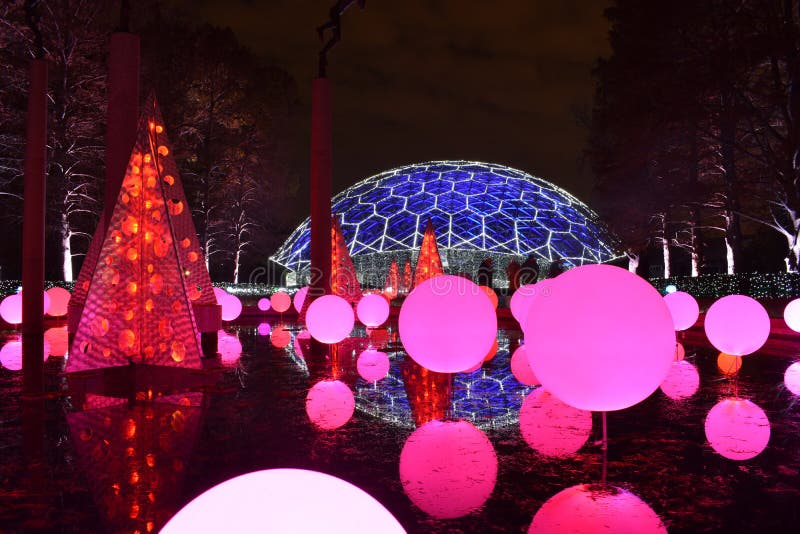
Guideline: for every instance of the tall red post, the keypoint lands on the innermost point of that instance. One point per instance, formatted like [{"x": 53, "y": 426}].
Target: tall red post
[
  {"x": 33, "y": 230},
  {"x": 321, "y": 177}
]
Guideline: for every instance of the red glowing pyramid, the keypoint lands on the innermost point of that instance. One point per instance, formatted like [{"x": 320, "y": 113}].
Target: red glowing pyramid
[
  {"x": 405, "y": 284},
  {"x": 392, "y": 286},
  {"x": 344, "y": 281},
  {"x": 429, "y": 263}
]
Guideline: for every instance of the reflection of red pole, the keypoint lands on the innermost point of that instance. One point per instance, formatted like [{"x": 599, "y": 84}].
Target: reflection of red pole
[
  {"x": 321, "y": 189},
  {"x": 33, "y": 226}
]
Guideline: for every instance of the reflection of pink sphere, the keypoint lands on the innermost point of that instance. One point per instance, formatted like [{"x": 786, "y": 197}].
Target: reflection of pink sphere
[
  {"x": 491, "y": 294},
  {"x": 682, "y": 381},
  {"x": 551, "y": 427},
  {"x": 59, "y": 301},
  {"x": 11, "y": 355},
  {"x": 524, "y": 297},
  {"x": 684, "y": 309},
  {"x": 298, "y": 349},
  {"x": 373, "y": 309},
  {"x": 737, "y": 325},
  {"x": 228, "y": 346},
  {"x": 11, "y": 308},
  {"x": 264, "y": 329},
  {"x": 791, "y": 378},
  {"x": 263, "y": 304},
  {"x": 46, "y": 303},
  {"x": 280, "y": 301},
  {"x": 737, "y": 429},
  {"x": 280, "y": 337},
  {"x": 521, "y": 368},
  {"x": 585, "y": 509},
  {"x": 330, "y": 319},
  {"x": 300, "y": 298},
  {"x": 276, "y": 500},
  {"x": 373, "y": 365},
  {"x": 791, "y": 314},
  {"x": 603, "y": 340},
  {"x": 447, "y": 324},
  {"x": 448, "y": 469},
  {"x": 330, "y": 404},
  {"x": 231, "y": 307},
  {"x": 58, "y": 339}
]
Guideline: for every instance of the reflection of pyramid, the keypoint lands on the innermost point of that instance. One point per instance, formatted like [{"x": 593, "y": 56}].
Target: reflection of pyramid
[
  {"x": 149, "y": 269},
  {"x": 392, "y": 286},
  {"x": 429, "y": 263},
  {"x": 344, "y": 281}
]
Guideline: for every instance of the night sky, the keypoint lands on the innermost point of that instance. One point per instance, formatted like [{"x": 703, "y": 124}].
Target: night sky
[{"x": 500, "y": 81}]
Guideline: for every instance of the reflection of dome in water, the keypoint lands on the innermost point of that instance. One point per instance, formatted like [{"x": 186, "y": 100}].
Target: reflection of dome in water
[{"x": 478, "y": 210}]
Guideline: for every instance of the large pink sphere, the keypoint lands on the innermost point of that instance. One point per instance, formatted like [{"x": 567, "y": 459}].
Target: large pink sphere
[
  {"x": 278, "y": 500},
  {"x": 330, "y": 404},
  {"x": 263, "y": 304},
  {"x": 521, "y": 367},
  {"x": 684, "y": 309},
  {"x": 585, "y": 509},
  {"x": 447, "y": 324},
  {"x": 551, "y": 427},
  {"x": 603, "y": 340},
  {"x": 59, "y": 301},
  {"x": 280, "y": 301},
  {"x": 737, "y": 429},
  {"x": 682, "y": 381},
  {"x": 11, "y": 308},
  {"x": 448, "y": 469},
  {"x": 791, "y": 378},
  {"x": 524, "y": 297},
  {"x": 300, "y": 298},
  {"x": 737, "y": 325},
  {"x": 791, "y": 314},
  {"x": 330, "y": 319},
  {"x": 231, "y": 307},
  {"x": 373, "y": 309},
  {"x": 373, "y": 365}
]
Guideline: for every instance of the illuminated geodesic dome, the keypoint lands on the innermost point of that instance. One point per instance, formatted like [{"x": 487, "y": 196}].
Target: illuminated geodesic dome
[{"x": 478, "y": 210}]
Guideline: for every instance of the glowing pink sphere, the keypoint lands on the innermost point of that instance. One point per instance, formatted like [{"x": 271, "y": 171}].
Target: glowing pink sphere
[
  {"x": 280, "y": 301},
  {"x": 220, "y": 294},
  {"x": 684, "y": 309},
  {"x": 263, "y": 304},
  {"x": 330, "y": 404},
  {"x": 373, "y": 310},
  {"x": 330, "y": 319},
  {"x": 791, "y": 314},
  {"x": 551, "y": 427},
  {"x": 59, "y": 301},
  {"x": 447, "y": 324},
  {"x": 58, "y": 338},
  {"x": 11, "y": 309},
  {"x": 229, "y": 347},
  {"x": 791, "y": 378},
  {"x": 524, "y": 297},
  {"x": 448, "y": 469},
  {"x": 373, "y": 365},
  {"x": 300, "y": 298},
  {"x": 277, "y": 500},
  {"x": 231, "y": 307},
  {"x": 11, "y": 355},
  {"x": 585, "y": 509},
  {"x": 603, "y": 340},
  {"x": 264, "y": 329},
  {"x": 737, "y": 429},
  {"x": 682, "y": 381},
  {"x": 521, "y": 367},
  {"x": 280, "y": 337},
  {"x": 737, "y": 325},
  {"x": 298, "y": 349}
]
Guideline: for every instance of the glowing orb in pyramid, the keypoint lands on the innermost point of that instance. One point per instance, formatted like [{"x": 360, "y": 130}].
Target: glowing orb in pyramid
[{"x": 737, "y": 429}]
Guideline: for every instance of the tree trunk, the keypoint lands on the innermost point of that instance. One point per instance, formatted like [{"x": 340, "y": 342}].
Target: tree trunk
[
  {"x": 66, "y": 247},
  {"x": 694, "y": 211},
  {"x": 665, "y": 243},
  {"x": 633, "y": 261},
  {"x": 733, "y": 231}
]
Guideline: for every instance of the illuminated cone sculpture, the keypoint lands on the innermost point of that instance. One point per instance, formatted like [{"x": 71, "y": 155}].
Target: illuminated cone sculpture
[
  {"x": 344, "y": 282},
  {"x": 149, "y": 271},
  {"x": 392, "y": 286},
  {"x": 429, "y": 263},
  {"x": 405, "y": 286}
]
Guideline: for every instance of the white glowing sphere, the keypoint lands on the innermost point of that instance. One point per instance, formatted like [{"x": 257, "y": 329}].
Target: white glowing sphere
[
  {"x": 231, "y": 307},
  {"x": 603, "y": 339},
  {"x": 373, "y": 309},
  {"x": 791, "y": 378},
  {"x": 447, "y": 324},
  {"x": 671, "y": 288},
  {"x": 330, "y": 319},
  {"x": 521, "y": 367},
  {"x": 551, "y": 427},
  {"x": 737, "y": 325},
  {"x": 684, "y": 309},
  {"x": 11, "y": 309},
  {"x": 448, "y": 469},
  {"x": 284, "y": 500},
  {"x": 586, "y": 509},
  {"x": 263, "y": 304},
  {"x": 59, "y": 301},
  {"x": 791, "y": 314},
  {"x": 300, "y": 298},
  {"x": 280, "y": 301},
  {"x": 682, "y": 381},
  {"x": 264, "y": 329},
  {"x": 330, "y": 404},
  {"x": 373, "y": 365},
  {"x": 737, "y": 429}
]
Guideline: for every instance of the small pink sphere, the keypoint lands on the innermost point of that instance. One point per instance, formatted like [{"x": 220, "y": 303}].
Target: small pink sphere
[
  {"x": 231, "y": 307},
  {"x": 280, "y": 337},
  {"x": 263, "y": 304},
  {"x": 682, "y": 381},
  {"x": 373, "y": 310},
  {"x": 524, "y": 297},
  {"x": 11, "y": 355},
  {"x": 59, "y": 301},
  {"x": 602, "y": 341},
  {"x": 791, "y": 378},
  {"x": 228, "y": 346},
  {"x": 448, "y": 469},
  {"x": 330, "y": 404},
  {"x": 737, "y": 429},
  {"x": 11, "y": 309},
  {"x": 737, "y": 325},
  {"x": 791, "y": 314},
  {"x": 330, "y": 319},
  {"x": 300, "y": 298},
  {"x": 373, "y": 365},
  {"x": 551, "y": 427},
  {"x": 447, "y": 324},
  {"x": 264, "y": 329},
  {"x": 280, "y": 301},
  {"x": 684, "y": 309},
  {"x": 521, "y": 368},
  {"x": 586, "y": 509},
  {"x": 58, "y": 339}
]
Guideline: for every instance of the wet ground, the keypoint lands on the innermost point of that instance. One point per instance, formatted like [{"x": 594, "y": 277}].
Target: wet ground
[{"x": 120, "y": 466}]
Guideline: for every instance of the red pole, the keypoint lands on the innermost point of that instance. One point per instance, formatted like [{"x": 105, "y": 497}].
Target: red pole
[
  {"x": 321, "y": 174},
  {"x": 33, "y": 229}
]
